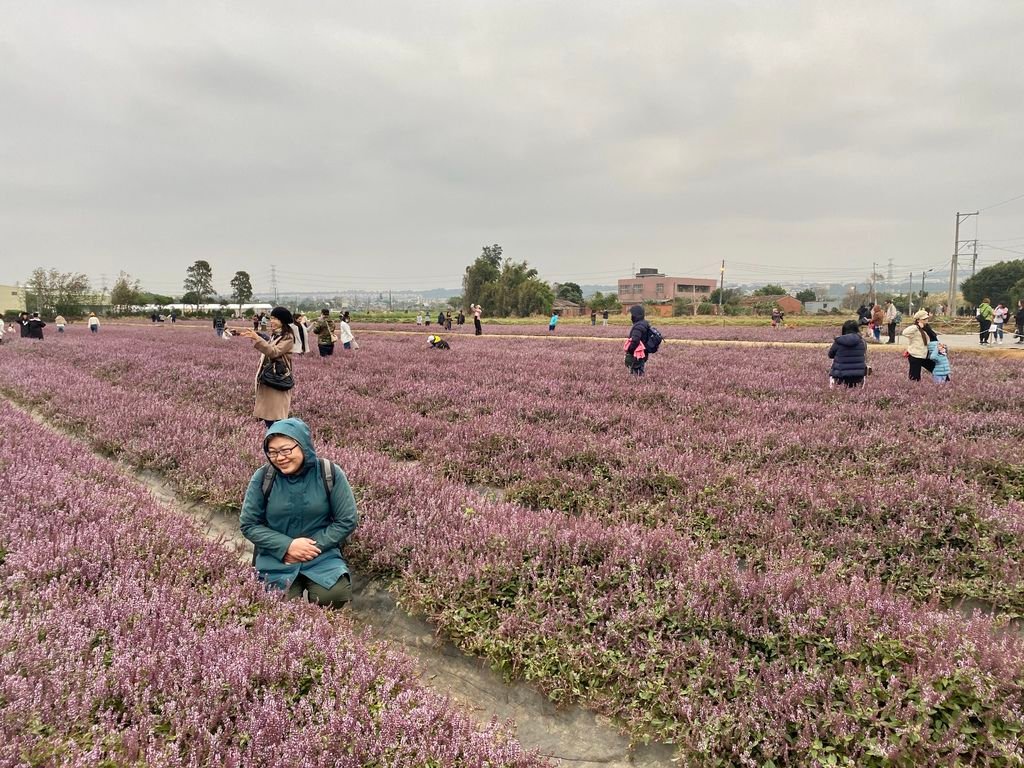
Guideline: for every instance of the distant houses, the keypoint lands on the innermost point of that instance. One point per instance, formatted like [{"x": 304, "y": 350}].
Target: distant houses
[
  {"x": 651, "y": 285},
  {"x": 12, "y": 299},
  {"x": 822, "y": 307}
]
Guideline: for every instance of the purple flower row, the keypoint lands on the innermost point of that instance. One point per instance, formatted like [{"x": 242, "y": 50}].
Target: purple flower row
[
  {"x": 619, "y": 329},
  {"x": 129, "y": 639}
]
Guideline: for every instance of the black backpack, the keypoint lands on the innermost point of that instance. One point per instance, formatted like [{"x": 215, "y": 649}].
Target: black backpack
[{"x": 654, "y": 339}]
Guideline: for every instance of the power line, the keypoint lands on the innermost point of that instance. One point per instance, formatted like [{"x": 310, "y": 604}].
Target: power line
[
  {"x": 996, "y": 205},
  {"x": 996, "y": 247},
  {"x": 1005, "y": 239}
]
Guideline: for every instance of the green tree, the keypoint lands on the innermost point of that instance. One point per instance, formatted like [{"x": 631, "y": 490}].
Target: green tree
[
  {"x": 125, "y": 294},
  {"x": 729, "y": 296},
  {"x": 995, "y": 282},
  {"x": 569, "y": 292},
  {"x": 682, "y": 307},
  {"x": 806, "y": 295},
  {"x": 56, "y": 293},
  {"x": 770, "y": 290},
  {"x": 159, "y": 299},
  {"x": 480, "y": 278},
  {"x": 241, "y": 289},
  {"x": 1016, "y": 294},
  {"x": 600, "y": 302},
  {"x": 519, "y": 291},
  {"x": 504, "y": 287},
  {"x": 199, "y": 282}
]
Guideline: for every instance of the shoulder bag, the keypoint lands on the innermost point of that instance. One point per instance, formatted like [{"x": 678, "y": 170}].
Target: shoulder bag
[{"x": 277, "y": 375}]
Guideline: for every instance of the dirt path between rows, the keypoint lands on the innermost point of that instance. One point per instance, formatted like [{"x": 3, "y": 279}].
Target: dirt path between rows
[{"x": 568, "y": 736}]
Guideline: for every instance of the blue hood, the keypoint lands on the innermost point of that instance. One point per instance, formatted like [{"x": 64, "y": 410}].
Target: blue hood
[{"x": 298, "y": 431}]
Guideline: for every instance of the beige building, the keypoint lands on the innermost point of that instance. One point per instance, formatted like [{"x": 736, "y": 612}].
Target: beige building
[
  {"x": 12, "y": 299},
  {"x": 652, "y": 285}
]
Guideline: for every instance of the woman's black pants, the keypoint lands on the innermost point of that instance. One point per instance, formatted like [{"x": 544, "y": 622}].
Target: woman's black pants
[
  {"x": 983, "y": 326},
  {"x": 917, "y": 363}
]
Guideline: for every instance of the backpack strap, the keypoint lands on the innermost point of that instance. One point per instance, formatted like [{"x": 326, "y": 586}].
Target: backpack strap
[
  {"x": 269, "y": 473},
  {"x": 327, "y": 470}
]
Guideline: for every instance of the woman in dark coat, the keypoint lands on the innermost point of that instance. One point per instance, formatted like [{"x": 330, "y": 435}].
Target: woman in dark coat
[{"x": 849, "y": 356}]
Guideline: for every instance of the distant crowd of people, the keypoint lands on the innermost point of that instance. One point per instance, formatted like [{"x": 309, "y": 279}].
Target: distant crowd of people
[
  {"x": 446, "y": 320},
  {"x": 30, "y": 325}
]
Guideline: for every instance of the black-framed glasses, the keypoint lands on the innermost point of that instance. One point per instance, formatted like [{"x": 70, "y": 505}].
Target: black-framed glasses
[{"x": 273, "y": 453}]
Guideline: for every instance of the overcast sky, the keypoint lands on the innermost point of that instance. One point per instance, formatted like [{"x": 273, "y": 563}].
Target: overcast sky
[{"x": 380, "y": 144}]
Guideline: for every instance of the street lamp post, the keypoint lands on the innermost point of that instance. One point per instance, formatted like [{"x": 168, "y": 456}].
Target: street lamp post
[{"x": 721, "y": 291}]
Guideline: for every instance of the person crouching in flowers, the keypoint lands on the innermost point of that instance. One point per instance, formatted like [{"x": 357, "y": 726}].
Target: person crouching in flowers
[
  {"x": 436, "y": 342},
  {"x": 298, "y": 520},
  {"x": 849, "y": 357}
]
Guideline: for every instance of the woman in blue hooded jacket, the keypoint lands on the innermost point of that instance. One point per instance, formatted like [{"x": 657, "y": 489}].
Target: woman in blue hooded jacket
[
  {"x": 849, "y": 356},
  {"x": 296, "y": 528}
]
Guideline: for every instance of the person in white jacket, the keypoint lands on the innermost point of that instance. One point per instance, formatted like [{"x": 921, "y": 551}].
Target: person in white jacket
[
  {"x": 345, "y": 335},
  {"x": 300, "y": 330},
  {"x": 892, "y": 316},
  {"x": 917, "y": 345}
]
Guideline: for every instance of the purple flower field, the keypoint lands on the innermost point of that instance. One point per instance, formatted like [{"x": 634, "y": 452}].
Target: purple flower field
[
  {"x": 128, "y": 639},
  {"x": 726, "y": 555},
  {"x": 759, "y": 332}
]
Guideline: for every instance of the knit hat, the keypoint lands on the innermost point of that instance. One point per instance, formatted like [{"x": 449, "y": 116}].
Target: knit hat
[{"x": 284, "y": 315}]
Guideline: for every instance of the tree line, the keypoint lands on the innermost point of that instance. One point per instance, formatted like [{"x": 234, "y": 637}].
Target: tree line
[
  {"x": 503, "y": 286},
  {"x": 51, "y": 292}
]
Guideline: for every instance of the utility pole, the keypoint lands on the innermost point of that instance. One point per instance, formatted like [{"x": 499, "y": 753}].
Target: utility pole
[
  {"x": 721, "y": 290},
  {"x": 954, "y": 284},
  {"x": 874, "y": 293},
  {"x": 910, "y": 295},
  {"x": 273, "y": 281},
  {"x": 974, "y": 257}
]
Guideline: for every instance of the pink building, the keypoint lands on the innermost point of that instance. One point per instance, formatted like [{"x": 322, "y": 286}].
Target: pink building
[{"x": 652, "y": 285}]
